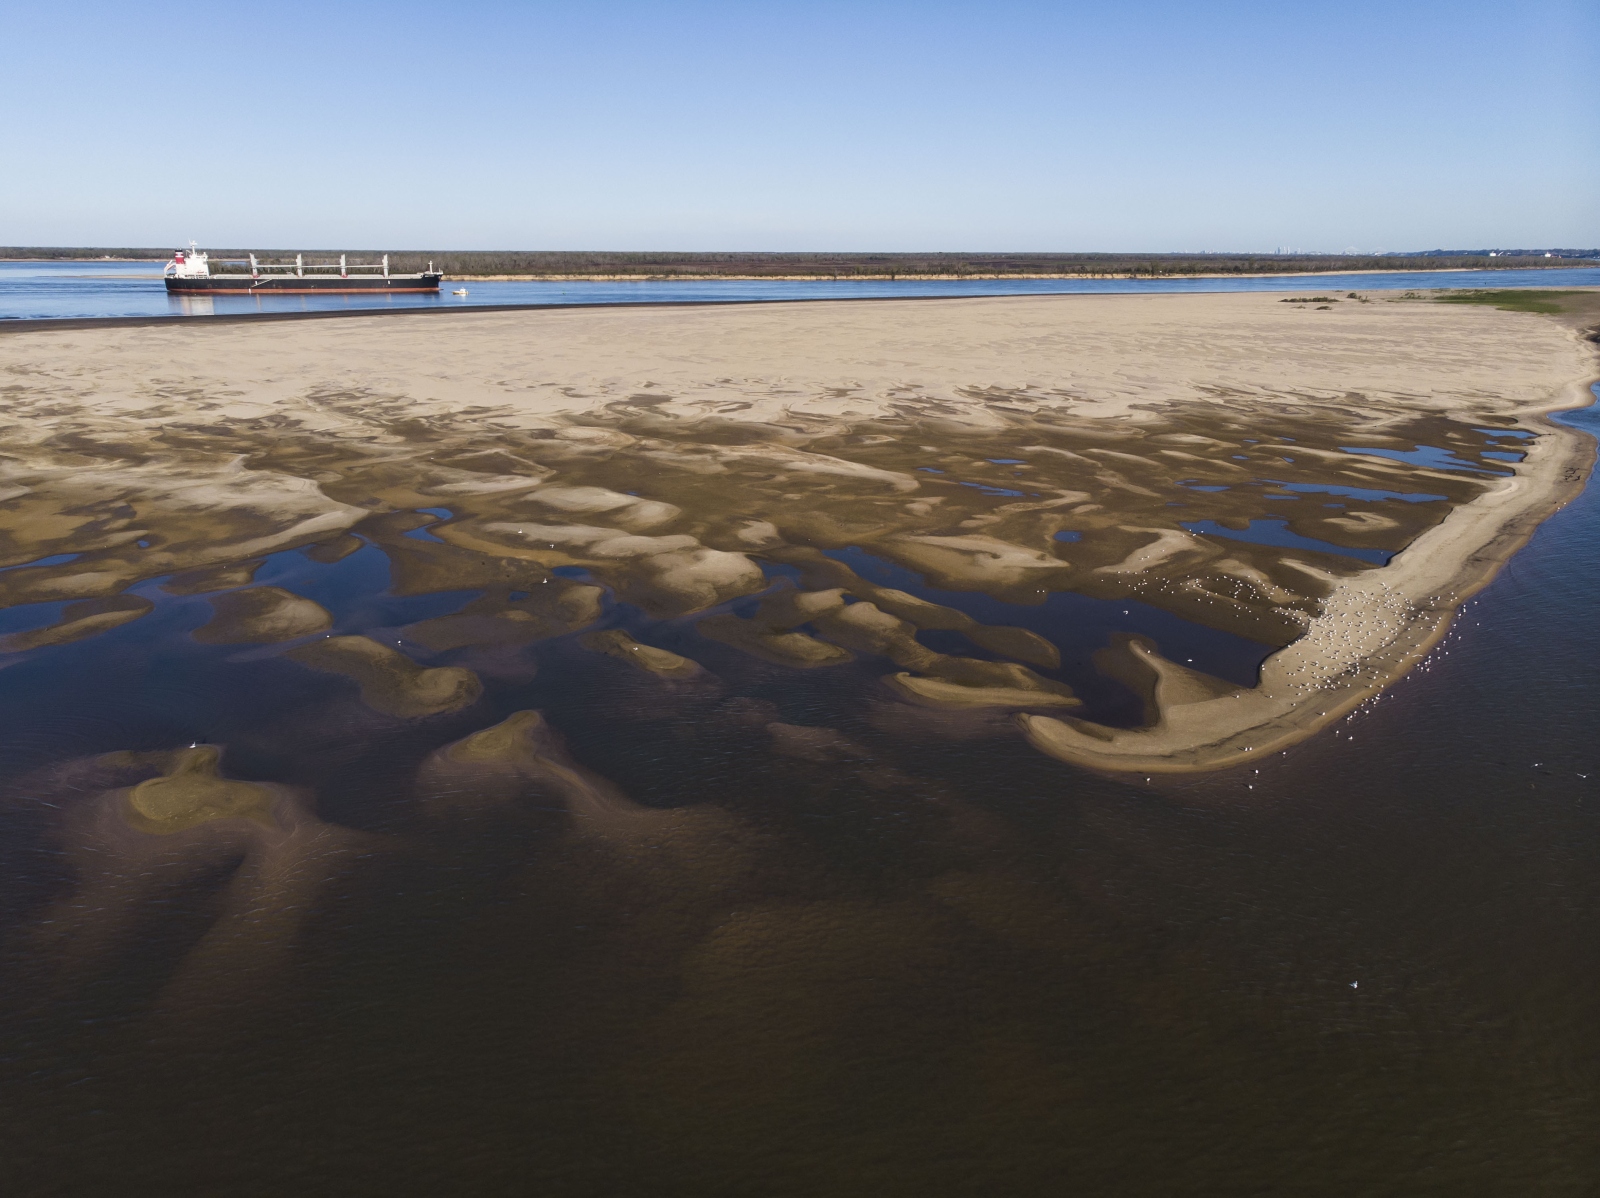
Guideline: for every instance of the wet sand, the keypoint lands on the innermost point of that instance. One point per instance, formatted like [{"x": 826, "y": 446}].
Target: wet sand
[{"x": 1012, "y": 447}]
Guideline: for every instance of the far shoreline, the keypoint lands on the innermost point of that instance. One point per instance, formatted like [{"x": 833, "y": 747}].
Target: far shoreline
[{"x": 899, "y": 277}]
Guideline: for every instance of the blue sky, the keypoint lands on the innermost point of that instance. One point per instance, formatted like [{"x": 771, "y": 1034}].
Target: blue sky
[{"x": 999, "y": 126}]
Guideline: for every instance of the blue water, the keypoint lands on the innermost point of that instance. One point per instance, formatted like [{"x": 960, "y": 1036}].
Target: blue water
[
  {"x": 1368, "y": 493},
  {"x": 1433, "y": 457},
  {"x": 155, "y": 685},
  {"x": 44, "y": 290},
  {"x": 55, "y": 559},
  {"x": 1276, "y": 533},
  {"x": 1075, "y": 624},
  {"x": 1004, "y": 492},
  {"x": 422, "y": 534},
  {"x": 1506, "y": 432}
]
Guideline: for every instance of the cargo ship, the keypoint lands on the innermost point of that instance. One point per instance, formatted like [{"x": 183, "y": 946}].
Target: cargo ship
[{"x": 189, "y": 273}]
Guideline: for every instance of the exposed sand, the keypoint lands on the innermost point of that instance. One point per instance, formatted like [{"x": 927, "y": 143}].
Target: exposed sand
[
  {"x": 768, "y": 432},
  {"x": 390, "y": 681},
  {"x": 857, "y": 359}
]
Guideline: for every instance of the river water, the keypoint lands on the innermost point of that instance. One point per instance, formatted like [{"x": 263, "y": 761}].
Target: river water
[
  {"x": 43, "y": 290},
  {"x": 920, "y": 966}
]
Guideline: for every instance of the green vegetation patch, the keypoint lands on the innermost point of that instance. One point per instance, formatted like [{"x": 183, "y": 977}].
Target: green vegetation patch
[{"x": 1530, "y": 300}]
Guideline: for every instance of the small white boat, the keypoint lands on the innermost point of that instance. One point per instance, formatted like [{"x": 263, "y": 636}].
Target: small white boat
[{"x": 459, "y": 291}]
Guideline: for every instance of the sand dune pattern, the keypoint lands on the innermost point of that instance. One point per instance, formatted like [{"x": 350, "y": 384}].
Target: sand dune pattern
[{"x": 718, "y": 468}]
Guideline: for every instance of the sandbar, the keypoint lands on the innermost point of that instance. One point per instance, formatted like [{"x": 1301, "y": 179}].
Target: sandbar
[{"x": 1123, "y": 446}]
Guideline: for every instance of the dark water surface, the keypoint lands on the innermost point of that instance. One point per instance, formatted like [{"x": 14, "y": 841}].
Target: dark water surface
[
  {"x": 931, "y": 962},
  {"x": 44, "y": 290},
  {"x": 1276, "y": 532},
  {"x": 1076, "y": 624}
]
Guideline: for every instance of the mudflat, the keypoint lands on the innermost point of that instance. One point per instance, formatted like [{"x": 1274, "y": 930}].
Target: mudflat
[{"x": 1325, "y": 476}]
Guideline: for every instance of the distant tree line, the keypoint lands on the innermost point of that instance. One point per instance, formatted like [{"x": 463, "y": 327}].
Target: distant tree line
[{"x": 468, "y": 263}]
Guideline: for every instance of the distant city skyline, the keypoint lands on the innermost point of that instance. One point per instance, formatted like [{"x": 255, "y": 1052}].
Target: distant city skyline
[{"x": 1153, "y": 127}]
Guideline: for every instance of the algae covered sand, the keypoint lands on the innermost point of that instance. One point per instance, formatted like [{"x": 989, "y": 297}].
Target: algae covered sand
[{"x": 1325, "y": 482}]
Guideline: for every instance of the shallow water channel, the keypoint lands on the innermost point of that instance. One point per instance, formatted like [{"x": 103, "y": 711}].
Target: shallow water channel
[{"x": 914, "y": 957}]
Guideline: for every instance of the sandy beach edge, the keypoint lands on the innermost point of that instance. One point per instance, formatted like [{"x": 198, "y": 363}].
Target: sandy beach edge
[{"x": 1399, "y": 613}]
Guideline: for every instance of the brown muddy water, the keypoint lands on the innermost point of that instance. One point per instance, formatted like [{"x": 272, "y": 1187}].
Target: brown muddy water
[{"x": 745, "y": 931}]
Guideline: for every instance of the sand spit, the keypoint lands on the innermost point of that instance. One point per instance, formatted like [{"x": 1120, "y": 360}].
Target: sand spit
[
  {"x": 262, "y": 616},
  {"x": 79, "y": 621},
  {"x": 1239, "y": 461},
  {"x": 390, "y": 681},
  {"x": 194, "y": 792},
  {"x": 1371, "y": 629},
  {"x": 651, "y": 660}
]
